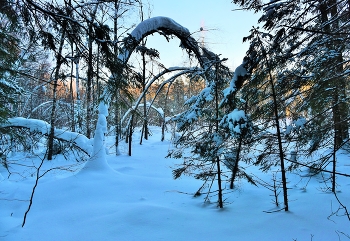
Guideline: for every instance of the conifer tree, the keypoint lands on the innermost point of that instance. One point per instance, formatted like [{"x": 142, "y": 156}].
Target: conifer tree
[
  {"x": 9, "y": 54},
  {"x": 311, "y": 46},
  {"x": 206, "y": 131}
]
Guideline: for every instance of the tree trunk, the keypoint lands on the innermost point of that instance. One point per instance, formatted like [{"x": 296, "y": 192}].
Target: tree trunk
[
  {"x": 71, "y": 90},
  {"x": 145, "y": 122},
  {"x": 280, "y": 147},
  {"x": 334, "y": 164},
  {"x": 238, "y": 153},
  {"x": 90, "y": 75},
  {"x": 77, "y": 87},
  {"x": 235, "y": 169},
  {"x": 340, "y": 106},
  {"x": 130, "y": 132},
  {"x": 116, "y": 78},
  {"x": 220, "y": 200},
  {"x": 89, "y": 84},
  {"x": 278, "y": 130},
  {"x": 54, "y": 97}
]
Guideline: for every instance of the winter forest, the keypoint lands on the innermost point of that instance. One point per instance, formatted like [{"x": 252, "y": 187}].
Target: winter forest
[{"x": 100, "y": 140}]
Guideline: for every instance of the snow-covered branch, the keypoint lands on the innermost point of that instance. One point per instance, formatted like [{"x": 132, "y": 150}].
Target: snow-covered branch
[
  {"x": 165, "y": 26},
  {"x": 34, "y": 125}
]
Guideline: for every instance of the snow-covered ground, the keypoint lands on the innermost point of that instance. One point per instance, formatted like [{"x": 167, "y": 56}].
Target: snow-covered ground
[{"x": 137, "y": 199}]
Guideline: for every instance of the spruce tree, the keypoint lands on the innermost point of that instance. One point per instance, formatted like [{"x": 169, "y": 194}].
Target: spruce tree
[
  {"x": 9, "y": 54},
  {"x": 311, "y": 48},
  {"x": 200, "y": 133}
]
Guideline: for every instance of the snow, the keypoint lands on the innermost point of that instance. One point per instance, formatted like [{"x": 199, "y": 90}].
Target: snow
[
  {"x": 191, "y": 100},
  {"x": 233, "y": 119},
  {"x": 155, "y": 23},
  {"x": 206, "y": 93},
  {"x": 43, "y": 127},
  {"x": 295, "y": 125},
  {"x": 98, "y": 161},
  {"x": 300, "y": 122},
  {"x": 160, "y": 111},
  {"x": 240, "y": 71},
  {"x": 139, "y": 200},
  {"x": 149, "y": 106},
  {"x": 149, "y": 26}
]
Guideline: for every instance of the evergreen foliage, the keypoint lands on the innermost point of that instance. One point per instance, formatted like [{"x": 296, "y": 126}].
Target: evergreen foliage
[
  {"x": 9, "y": 54},
  {"x": 302, "y": 52},
  {"x": 210, "y": 137},
  {"x": 289, "y": 97}
]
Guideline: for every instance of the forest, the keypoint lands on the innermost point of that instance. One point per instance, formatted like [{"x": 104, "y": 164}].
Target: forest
[{"x": 80, "y": 89}]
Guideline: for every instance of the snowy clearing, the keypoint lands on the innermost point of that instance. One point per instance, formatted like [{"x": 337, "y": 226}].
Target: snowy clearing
[{"x": 137, "y": 199}]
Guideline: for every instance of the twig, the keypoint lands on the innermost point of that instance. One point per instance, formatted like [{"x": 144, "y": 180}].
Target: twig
[
  {"x": 318, "y": 169},
  {"x": 33, "y": 191},
  {"x": 343, "y": 206},
  {"x": 275, "y": 211}
]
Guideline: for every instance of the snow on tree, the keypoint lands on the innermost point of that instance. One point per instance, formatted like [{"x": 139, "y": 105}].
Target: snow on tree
[
  {"x": 166, "y": 27},
  {"x": 235, "y": 83},
  {"x": 98, "y": 161},
  {"x": 42, "y": 127},
  {"x": 208, "y": 137},
  {"x": 147, "y": 27},
  {"x": 9, "y": 54},
  {"x": 308, "y": 49},
  {"x": 235, "y": 121}
]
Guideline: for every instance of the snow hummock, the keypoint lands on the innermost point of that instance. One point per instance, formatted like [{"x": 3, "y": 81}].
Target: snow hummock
[{"x": 97, "y": 162}]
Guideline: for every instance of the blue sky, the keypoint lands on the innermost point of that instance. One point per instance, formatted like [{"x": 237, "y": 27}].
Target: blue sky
[{"x": 226, "y": 28}]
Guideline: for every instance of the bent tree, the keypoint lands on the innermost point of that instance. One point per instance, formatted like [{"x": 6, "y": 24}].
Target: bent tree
[{"x": 204, "y": 108}]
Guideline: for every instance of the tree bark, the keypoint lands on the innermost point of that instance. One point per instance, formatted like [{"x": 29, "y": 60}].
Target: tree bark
[
  {"x": 278, "y": 130},
  {"x": 145, "y": 121},
  {"x": 340, "y": 106},
  {"x": 54, "y": 97},
  {"x": 116, "y": 79},
  {"x": 218, "y": 167}
]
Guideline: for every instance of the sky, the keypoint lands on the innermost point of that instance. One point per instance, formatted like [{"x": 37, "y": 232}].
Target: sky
[{"x": 224, "y": 28}]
